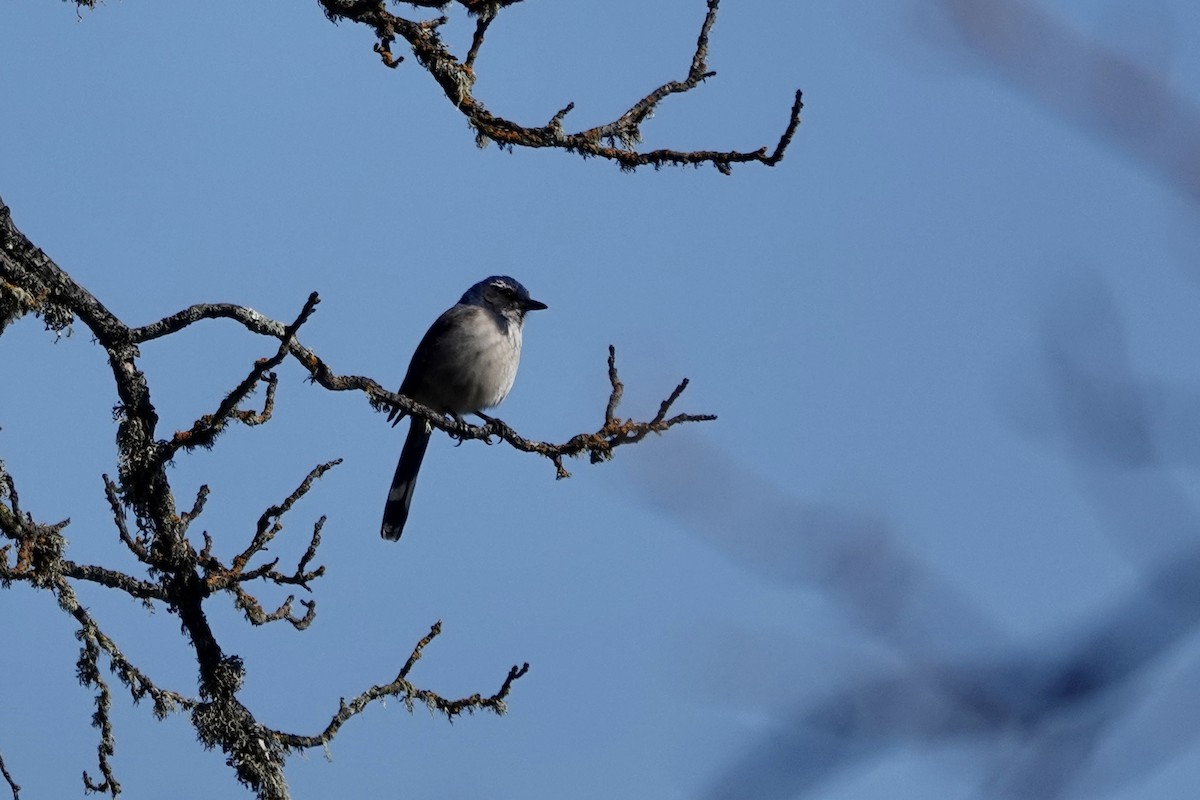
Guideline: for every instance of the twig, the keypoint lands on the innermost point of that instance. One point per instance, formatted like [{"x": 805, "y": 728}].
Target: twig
[
  {"x": 219, "y": 577},
  {"x": 257, "y": 616},
  {"x": 206, "y": 429},
  {"x": 618, "y": 388},
  {"x": 401, "y": 687},
  {"x": 8, "y": 778},
  {"x": 136, "y": 546},
  {"x": 481, "y": 25},
  {"x": 270, "y": 522},
  {"x": 626, "y": 129},
  {"x": 197, "y": 507},
  {"x": 302, "y": 575}
]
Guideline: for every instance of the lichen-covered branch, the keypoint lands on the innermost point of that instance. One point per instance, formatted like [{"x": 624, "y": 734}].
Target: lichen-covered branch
[
  {"x": 39, "y": 562},
  {"x": 271, "y": 521},
  {"x": 615, "y": 141},
  {"x": 177, "y": 574},
  {"x": 231, "y": 578},
  {"x": 40, "y": 286}
]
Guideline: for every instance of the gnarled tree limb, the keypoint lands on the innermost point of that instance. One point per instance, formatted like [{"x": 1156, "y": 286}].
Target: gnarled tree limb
[{"x": 615, "y": 141}]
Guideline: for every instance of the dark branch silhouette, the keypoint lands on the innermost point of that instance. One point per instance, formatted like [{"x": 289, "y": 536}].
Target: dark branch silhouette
[
  {"x": 401, "y": 688},
  {"x": 8, "y": 778}
]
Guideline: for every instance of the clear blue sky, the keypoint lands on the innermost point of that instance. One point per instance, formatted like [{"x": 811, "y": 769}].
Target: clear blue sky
[{"x": 951, "y": 340}]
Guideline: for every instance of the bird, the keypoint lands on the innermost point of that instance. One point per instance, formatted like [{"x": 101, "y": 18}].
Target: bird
[{"x": 466, "y": 362}]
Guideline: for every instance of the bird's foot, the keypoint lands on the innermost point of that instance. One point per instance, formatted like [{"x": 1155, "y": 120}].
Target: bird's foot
[
  {"x": 487, "y": 439},
  {"x": 458, "y": 437}
]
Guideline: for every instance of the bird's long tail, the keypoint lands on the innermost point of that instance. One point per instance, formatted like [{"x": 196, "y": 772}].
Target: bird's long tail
[{"x": 395, "y": 512}]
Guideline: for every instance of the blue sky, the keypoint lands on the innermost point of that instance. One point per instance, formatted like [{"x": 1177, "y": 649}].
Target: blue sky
[{"x": 950, "y": 339}]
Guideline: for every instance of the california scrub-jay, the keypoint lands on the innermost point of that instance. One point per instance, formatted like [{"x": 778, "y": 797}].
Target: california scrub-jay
[{"x": 467, "y": 362}]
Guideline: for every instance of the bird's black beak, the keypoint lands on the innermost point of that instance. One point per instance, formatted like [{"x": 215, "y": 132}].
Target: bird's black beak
[{"x": 533, "y": 305}]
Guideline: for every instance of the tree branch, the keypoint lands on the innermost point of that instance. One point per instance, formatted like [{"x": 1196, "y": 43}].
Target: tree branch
[
  {"x": 206, "y": 429},
  {"x": 270, "y": 523},
  {"x": 8, "y": 778},
  {"x": 401, "y": 687},
  {"x": 615, "y": 141},
  {"x": 218, "y": 577},
  {"x": 142, "y": 590},
  {"x": 599, "y": 446}
]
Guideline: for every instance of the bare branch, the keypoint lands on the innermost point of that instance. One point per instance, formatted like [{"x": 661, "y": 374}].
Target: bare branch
[
  {"x": 303, "y": 575},
  {"x": 401, "y": 688},
  {"x": 139, "y": 684},
  {"x": 457, "y": 80},
  {"x": 618, "y": 388},
  {"x": 485, "y": 17},
  {"x": 472, "y": 6},
  {"x": 599, "y": 446},
  {"x": 434, "y": 631},
  {"x": 270, "y": 523},
  {"x": 88, "y": 671},
  {"x": 197, "y": 507},
  {"x": 627, "y": 128},
  {"x": 309, "y": 553},
  {"x": 8, "y": 488},
  {"x": 137, "y": 545},
  {"x": 221, "y": 578},
  {"x": 206, "y": 429},
  {"x": 176, "y": 322},
  {"x": 8, "y": 778},
  {"x": 39, "y": 560},
  {"x": 39, "y": 546}
]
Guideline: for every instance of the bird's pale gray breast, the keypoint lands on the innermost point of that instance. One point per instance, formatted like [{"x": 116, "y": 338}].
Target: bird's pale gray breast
[{"x": 478, "y": 364}]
